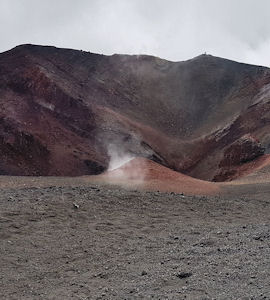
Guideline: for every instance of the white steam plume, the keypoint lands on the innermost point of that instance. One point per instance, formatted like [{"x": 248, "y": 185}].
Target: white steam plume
[
  {"x": 124, "y": 168},
  {"x": 117, "y": 157}
]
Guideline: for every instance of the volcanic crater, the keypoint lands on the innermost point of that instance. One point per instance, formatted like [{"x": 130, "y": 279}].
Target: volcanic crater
[{"x": 62, "y": 109}]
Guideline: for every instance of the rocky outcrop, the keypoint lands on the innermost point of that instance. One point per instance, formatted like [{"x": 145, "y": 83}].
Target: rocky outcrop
[{"x": 244, "y": 150}]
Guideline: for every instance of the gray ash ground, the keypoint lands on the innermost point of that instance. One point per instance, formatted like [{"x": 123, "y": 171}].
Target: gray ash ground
[{"x": 100, "y": 242}]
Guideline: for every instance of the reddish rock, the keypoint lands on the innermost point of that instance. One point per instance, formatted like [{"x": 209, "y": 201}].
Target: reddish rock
[
  {"x": 245, "y": 149},
  {"x": 61, "y": 109}
]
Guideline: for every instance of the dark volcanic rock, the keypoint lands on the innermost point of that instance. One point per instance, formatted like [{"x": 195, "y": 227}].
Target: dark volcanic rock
[
  {"x": 183, "y": 275},
  {"x": 241, "y": 151},
  {"x": 61, "y": 109}
]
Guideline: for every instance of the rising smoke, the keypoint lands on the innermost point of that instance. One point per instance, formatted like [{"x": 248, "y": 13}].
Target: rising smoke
[
  {"x": 118, "y": 157},
  {"x": 125, "y": 168}
]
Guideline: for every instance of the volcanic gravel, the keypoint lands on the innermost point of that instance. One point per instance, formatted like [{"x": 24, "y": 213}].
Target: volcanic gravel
[{"x": 103, "y": 242}]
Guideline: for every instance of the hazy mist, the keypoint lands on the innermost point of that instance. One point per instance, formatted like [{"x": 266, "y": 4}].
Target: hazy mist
[{"x": 171, "y": 29}]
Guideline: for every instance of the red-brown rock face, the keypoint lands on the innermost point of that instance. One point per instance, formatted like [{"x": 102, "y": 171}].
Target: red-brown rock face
[{"x": 61, "y": 111}]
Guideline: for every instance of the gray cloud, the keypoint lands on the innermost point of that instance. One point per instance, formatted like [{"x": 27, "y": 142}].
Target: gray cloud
[{"x": 171, "y": 29}]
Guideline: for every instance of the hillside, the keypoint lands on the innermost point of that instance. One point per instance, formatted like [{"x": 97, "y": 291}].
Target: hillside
[{"x": 63, "y": 110}]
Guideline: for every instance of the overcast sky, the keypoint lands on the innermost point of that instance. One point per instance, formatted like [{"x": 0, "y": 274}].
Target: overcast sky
[{"x": 172, "y": 29}]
